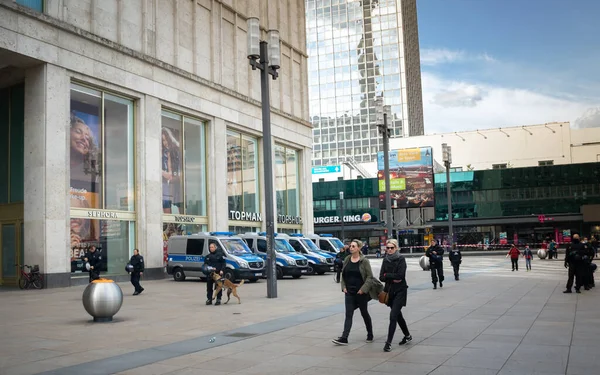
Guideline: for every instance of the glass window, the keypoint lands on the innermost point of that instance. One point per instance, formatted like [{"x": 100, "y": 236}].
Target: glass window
[
  {"x": 33, "y": 4},
  {"x": 286, "y": 181},
  {"x": 242, "y": 172}
]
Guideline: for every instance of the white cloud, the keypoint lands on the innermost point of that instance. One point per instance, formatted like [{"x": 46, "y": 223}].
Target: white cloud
[
  {"x": 437, "y": 56},
  {"x": 589, "y": 119},
  {"x": 454, "y": 106}
]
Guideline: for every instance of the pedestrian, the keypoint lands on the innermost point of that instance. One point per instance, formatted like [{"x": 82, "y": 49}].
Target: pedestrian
[
  {"x": 435, "y": 253},
  {"x": 595, "y": 244},
  {"x": 514, "y": 257},
  {"x": 393, "y": 273},
  {"x": 545, "y": 248},
  {"x": 94, "y": 258},
  {"x": 357, "y": 285},
  {"x": 574, "y": 262},
  {"x": 137, "y": 262},
  {"x": 552, "y": 250},
  {"x": 455, "y": 259},
  {"x": 528, "y": 255},
  {"x": 588, "y": 273},
  {"x": 339, "y": 261},
  {"x": 216, "y": 260},
  {"x": 365, "y": 249}
]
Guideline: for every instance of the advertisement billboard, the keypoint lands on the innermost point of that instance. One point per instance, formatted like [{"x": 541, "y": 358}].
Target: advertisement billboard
[{"x": 411, "y": 178}]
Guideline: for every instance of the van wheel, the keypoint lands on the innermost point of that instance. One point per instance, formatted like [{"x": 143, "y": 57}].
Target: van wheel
[
  {"x": 253, "y": 280},
  {"x": 310, "y": 270},
  {"x": 279, "y": 273},
  {"x": 297, "y": 276},
  {"x": 228, "y": 274},
  {"x": 178, "y": 274}
]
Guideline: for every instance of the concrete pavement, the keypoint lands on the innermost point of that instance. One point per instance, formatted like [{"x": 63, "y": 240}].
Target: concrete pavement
[{"x": 493, "y": 321}]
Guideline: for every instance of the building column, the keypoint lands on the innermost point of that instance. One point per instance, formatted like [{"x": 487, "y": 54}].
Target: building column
[
  {"x": 149, "y": 228},
  {"x": 306, "y": 193},
  {"x": 218, "y": 206},
  {"x": 46, "y": 173}
]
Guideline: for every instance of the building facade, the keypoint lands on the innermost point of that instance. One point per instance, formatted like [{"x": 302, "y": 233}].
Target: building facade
[
  {"x": 359, "y": 51},
  {"x": 123, "y": 123}
]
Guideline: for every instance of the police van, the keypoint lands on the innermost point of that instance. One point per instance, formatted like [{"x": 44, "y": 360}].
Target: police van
[
  {"x": 327, "y": 242},
  {"x": 319, "y": 261},
  {"x": 186, "y": 256},
  {"x": 289, "y": 262}
]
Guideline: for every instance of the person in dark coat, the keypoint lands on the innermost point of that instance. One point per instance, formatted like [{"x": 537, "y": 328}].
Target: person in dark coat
[
  {"x": 339, "y": 261},
  {"x": 435, "y": 253},
  {"x": 216, "y": 260},
  {"x": 455, "y": 259},
  {"x": 574, "y": 262},
  {"x": 94, "y": 258},
  {"x": 137, "y": 262},
  {"x": 393, "y": 274}
]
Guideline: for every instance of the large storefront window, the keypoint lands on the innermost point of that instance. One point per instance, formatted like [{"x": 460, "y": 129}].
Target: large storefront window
[
  {"x": 242, "y": 173},
  {"x": 101, "y": 177},
  {"x": 286, "y": 181}
]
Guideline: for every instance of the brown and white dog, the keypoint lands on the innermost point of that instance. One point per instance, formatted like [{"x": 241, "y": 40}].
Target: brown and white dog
[{"x": 223, "y": 283}]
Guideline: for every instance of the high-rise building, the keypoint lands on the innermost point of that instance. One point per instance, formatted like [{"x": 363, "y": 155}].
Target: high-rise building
[{"x": 358, "y": 51}]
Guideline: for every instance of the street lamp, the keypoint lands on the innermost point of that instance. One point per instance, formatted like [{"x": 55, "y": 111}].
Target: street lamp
[
  {"x": 266, "y": 56},
  {"x": 342, "y": 213},
  {"x": 383, "y": 111},
  {"x": 447, "y": 157}
]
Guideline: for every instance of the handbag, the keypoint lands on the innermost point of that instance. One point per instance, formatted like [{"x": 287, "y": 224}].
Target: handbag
[{"x": 383, "y": 297}]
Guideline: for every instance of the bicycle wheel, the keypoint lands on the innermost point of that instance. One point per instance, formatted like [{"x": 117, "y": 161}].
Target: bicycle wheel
[
  {"x": 23, "y": 283},
  {"x": 38, "y": 282}
]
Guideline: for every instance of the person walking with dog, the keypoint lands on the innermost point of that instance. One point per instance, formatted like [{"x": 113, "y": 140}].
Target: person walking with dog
[
  {"x": 455, "y": 259},
  {"x": 137, "y": 262},
  {"x": 216, "y": 260},
  {"x": 358, "y": 285},
  {"x": 393, "y": 274},
  {"x": 435, "y": 253}
]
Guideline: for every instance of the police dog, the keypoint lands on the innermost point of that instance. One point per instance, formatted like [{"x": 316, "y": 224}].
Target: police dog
[{"x": 223, "y": 283}]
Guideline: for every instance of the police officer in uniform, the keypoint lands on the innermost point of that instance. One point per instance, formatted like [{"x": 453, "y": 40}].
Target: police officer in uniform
[
  {"x": 574, "y": 262},
  {"x": 137, "y": 262},
  {"x": 455, "y": 259},
  {"x": 216, "y": 260},
  {"x": 435, "y": 254},
  {"x": 588, "y": 274},
  {"x": 94, "y": 258}
]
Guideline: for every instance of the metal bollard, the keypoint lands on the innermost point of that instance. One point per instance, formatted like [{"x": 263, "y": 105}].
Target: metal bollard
[
  {"x": 542, "y": 254},
  {"x": 102, "y": 299}
]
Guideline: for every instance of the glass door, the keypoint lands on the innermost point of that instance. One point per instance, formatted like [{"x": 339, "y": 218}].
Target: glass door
[{"x": 11, "y": 252}]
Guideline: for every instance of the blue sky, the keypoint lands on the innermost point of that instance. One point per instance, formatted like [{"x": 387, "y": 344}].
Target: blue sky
[{"x": 520, "y": 61}]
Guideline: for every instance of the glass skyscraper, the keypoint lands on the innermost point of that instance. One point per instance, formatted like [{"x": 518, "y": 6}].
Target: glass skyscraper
[{"x": 358, "y": 51}]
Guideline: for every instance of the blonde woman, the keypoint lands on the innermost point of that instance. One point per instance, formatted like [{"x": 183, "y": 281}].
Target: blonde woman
[{"x": 393, "y": 274}]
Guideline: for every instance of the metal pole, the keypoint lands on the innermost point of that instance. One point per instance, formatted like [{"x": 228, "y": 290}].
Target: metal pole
[
  {"x": 386, "y": 167},
  {"x": 268, "y": 172},
  {"x": 449, "y": 197},
  {"x": 342, "y": 214}
]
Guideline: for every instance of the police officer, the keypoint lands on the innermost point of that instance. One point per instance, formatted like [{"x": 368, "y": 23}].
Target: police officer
[
  {"x": 339, "y": 261},
  {"x": 455, "y": 259},
  {"x": 137, "y": 262},
  {"x": 216, "y": 260},
  {"x": 588, "y": 274},
  {"x": 435, "y": 254},
  {"x": 94, "y": 258},
  {"x": 574, "y": 261}
]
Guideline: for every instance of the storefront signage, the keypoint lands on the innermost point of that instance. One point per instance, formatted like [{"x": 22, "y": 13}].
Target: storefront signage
[
  {"x": 102, "y": 214},
  {"x": 347, "y": 219},
  {"x": 184, "y": 219},
  {"x": 245, "y": 216},
  {"x": 287, "y": 219},
  {"x": 326, "y": 169}
]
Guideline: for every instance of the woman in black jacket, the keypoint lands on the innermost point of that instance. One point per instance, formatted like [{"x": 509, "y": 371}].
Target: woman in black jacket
[{"x": 393, "y": 273}]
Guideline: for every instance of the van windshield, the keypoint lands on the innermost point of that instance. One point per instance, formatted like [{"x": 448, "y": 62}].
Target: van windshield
[
  {"x": 337, "y": 243},
  {"x": 235, "y": 246},
  {"x": 282, "y": 246},
  {"x": 310, "y": 245}
]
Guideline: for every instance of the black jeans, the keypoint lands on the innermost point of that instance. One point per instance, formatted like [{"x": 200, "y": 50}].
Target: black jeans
[
  {"x": 94, "y": 275},
  {"x": 456, "y": 267},
  {"x": 437, "y": 272},
  {"x": 135, "y": 281},
  {"x": 575, "y": 273},
  {"x": 210, "y": 286},
  {"x": 396, "y": 318},
  {"x": 353, "y": 302},
  {"x": 515, "y": 263}
]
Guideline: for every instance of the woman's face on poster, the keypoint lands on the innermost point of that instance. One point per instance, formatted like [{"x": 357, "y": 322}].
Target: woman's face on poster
[
  {"x": 81, "y": 138},
  {"x": 77, "y": 225}
]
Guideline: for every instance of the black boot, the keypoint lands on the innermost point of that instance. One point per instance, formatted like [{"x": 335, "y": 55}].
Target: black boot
[{"x": 434, "y": 286}]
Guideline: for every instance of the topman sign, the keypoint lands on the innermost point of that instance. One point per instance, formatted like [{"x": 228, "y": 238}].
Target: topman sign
[
  {"x": 245, "y": 216},
  {"x": 347, "y": 219}
]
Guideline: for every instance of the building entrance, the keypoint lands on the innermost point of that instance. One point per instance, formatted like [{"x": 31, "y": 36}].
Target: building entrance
[{"x": 11, "y": 251}]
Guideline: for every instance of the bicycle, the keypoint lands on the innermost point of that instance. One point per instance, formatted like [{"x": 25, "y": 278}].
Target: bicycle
[{"x": 31, "y": 278}]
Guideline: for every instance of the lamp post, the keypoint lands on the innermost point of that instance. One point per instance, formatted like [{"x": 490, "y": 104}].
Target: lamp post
[
  {"x": 447, "y": 157},
  {"x": 342, "y": 214},
  {"x": 266, "y": 56},
  {"x": 383, "y": 111}
]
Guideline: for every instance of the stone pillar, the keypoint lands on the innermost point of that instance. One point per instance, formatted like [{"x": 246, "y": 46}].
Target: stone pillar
[
  {"x": 46, "y": 173},
  {"x": 306, "y": 193},
  {"x": 217, "y": 176},
  {"x": 149, "y": 189}
]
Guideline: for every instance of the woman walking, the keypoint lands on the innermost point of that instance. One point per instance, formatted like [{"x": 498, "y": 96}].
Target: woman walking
[
  {"x": 358, "y": 285},
  {"x": 393, "y": 273}
]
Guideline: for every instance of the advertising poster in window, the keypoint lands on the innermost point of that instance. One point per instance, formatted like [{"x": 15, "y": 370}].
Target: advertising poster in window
[
  {"x": 411, "y": 178},
  {"x": 171, "y": 171}
]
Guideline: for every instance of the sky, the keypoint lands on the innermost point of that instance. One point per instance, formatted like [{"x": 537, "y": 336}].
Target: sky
[{"x": 495, "y": 63}]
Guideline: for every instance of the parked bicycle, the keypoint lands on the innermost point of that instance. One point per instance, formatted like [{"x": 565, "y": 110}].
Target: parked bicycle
[{"x": 33, "y": 278}]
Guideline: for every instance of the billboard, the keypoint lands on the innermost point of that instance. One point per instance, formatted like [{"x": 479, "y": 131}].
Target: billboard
[{"x": 411, "y": 178}]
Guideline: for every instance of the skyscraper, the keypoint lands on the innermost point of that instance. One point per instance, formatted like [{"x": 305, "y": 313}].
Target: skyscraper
[{"x": 358, "y": 51}]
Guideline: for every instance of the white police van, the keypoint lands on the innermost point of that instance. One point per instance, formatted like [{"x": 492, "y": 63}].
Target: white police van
[
  {"x": 319, "y": 261},
  {"x": 327, "y": 242},
  {"x": 186, "y": 254},
  {"x": 289, "y": 262}
]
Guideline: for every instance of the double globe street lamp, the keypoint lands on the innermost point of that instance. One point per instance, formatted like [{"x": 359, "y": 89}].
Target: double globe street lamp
[{"x": 266, "y": 56}]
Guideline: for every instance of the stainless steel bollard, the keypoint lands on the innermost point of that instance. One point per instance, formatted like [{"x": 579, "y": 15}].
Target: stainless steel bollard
[
  {"x": 424, "y": 263},
  {"x": 102, "y": 299},
  {"x": 542, "y": 254}
]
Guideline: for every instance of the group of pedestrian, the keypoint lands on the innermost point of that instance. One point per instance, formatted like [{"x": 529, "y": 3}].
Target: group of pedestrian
[
  {"x": 135, "y": 267},
  {"x": 578, "y": 260},
  {"x": 514, "y": 254}
]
